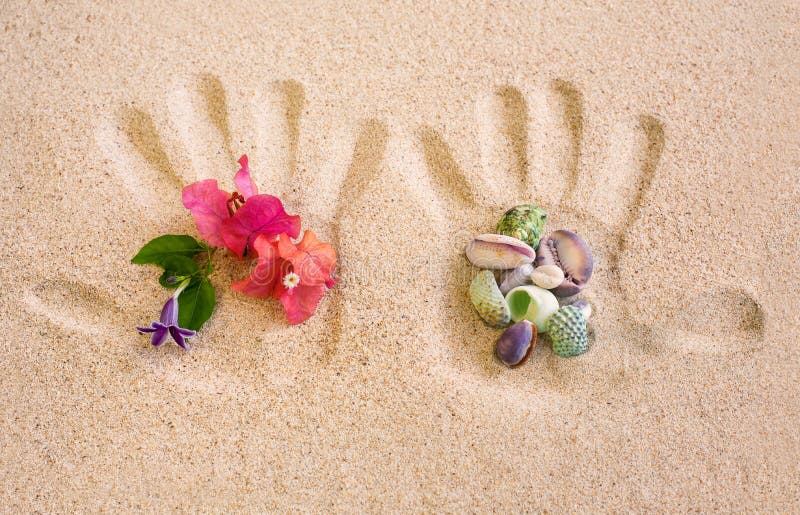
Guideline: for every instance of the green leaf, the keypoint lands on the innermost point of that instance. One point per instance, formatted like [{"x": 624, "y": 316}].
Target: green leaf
[
  {"x": 178, "y": 265},
  {"x": 158, "y": 249},
  {"x": 195, "y": 304}
]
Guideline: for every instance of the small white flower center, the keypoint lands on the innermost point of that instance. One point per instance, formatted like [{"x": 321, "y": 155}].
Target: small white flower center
[{"x": 291, "y": 280}]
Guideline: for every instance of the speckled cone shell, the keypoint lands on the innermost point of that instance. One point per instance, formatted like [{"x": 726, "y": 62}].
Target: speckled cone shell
[
  {"x": 524, "y": 222},
  {"x": 567, "y": 330},
  {"x": 488, "y": 301}
]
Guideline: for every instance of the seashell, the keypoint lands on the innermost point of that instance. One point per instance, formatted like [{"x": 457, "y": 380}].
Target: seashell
[
  {"x": 515, "y": 345},
  {"x": 567, "y": 329},
  {"x": 585, "y": 308},
  {"x": 524, "y": 222},
  {"x": 488, "y": 300},
  {"x": 533, "y": 304},
  {"x": 547, "y": 276},
  {"x": 568, "y": 251},
  {"x": 498, "y": 252},
  {"x": 519, "y": 276}
]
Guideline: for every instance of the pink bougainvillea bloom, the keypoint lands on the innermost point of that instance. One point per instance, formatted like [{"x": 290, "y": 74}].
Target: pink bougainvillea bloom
[
  {"x": 266, "y": 273},
  {"x": 234, "y": 220},
  {"x": 312, "y": 260},
  {"x": 299, "y": 300},
  {"x": 260, "y": 214},
  {"x": 297, "y": 274},
  {"x": 208, "y": 205},
  {"x": 243, "y": 181}
]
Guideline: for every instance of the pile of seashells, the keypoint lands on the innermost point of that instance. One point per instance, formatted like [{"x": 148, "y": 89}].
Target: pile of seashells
[{"x": 533, "y": 274}]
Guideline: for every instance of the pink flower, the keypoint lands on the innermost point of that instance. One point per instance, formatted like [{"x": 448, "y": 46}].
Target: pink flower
[
  {"x": 266, "y": 273},
  {"x": 312, "y": 260},
  {"x": 235, "y": 220},
  {"x": 297, "y": 274}
]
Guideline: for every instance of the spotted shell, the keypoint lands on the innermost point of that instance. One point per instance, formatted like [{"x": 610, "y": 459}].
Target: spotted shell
[
  {"x": 488, "y": 301},
  {"x": 567, "y": 330}
]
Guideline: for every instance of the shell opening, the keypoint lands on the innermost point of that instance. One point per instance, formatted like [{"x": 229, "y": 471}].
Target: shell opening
[{"x": 518, "y": 303}]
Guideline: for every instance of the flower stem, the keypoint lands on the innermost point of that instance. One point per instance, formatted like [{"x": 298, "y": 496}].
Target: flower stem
[
  {"x": 181, "y": 287},
  {"x": 209, "y": 256}
]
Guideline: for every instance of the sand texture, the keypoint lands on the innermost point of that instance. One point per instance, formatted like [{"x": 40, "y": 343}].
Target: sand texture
[{"x": 668, "y": 138}]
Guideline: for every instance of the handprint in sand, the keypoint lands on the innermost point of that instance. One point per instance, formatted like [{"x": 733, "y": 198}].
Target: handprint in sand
[
  {"x": 198, "y": 132},
  {"x": 536, "y": 147}
]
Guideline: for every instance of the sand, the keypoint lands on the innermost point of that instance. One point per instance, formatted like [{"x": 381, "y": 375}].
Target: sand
[{"x": 667, "y": 137}]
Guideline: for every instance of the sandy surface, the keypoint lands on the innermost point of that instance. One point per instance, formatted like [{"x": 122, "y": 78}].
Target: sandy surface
[{"x": 668, "y": 138}]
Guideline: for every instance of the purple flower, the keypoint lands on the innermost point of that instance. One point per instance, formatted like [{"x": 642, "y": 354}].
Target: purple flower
[{"x": 168, "y": 324}]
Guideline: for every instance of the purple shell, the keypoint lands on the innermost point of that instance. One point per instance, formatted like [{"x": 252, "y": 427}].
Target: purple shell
[{"x": 568, "y": 251}]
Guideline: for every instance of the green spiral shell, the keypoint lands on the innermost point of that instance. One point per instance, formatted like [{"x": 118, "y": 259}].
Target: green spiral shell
[
  {"x": 524, "y": 222},
  {"x": 567, "y": 330}
]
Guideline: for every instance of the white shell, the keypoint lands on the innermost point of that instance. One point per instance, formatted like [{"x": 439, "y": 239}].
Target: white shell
[
  {"x": 499, "y": 252},
  {"x": 533, "y": 304},
  {"x": 547, "y": 276},
  {"x": 585, "y": 308}
]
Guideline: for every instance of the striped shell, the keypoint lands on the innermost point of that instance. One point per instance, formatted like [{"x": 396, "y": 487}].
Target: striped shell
[{"x": 499, "y": 252}]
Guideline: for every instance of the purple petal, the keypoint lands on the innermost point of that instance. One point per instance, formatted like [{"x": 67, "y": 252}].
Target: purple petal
[
  {"x": 159, "y": 336},
  {"x": 186, "y": 332},
  {"x": 146, "y": 329},
  {"x": 178, "y": 337},
  {"x": 169, "y": 313}
]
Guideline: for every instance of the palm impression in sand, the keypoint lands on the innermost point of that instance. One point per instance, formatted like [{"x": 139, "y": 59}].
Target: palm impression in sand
[
  {"x": 531, "y": 151},
  {"x": 197, "y": 133}
]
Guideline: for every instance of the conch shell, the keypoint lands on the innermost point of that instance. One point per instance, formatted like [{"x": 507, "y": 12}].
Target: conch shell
[{"x": 517, "y": 277}]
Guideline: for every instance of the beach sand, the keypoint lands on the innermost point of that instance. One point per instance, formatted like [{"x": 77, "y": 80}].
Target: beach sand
[{"x": 668, "y": 138}]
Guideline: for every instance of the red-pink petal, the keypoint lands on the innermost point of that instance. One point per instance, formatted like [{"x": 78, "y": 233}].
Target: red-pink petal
[
  {"x": 261, "y": 282},
  {"x": 266, "y": 247},
  {"x": 312, "y": 259},
  {"x": 261, "y": 214},
  {"x": 300, "y": 302},
  {"x": 244, "y": 184},
  {"x": 265, "y": 274},
  {"x": 208, "y": 206}
]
